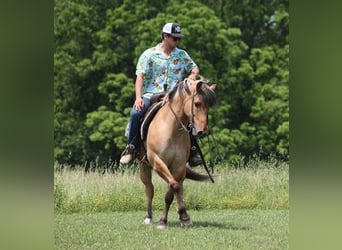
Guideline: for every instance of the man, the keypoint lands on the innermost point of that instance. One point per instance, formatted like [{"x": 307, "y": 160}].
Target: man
[{"x": 162, "y": 65}]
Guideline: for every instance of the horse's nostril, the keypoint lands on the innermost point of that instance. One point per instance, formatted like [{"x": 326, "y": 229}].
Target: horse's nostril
[{"x": 200, "y": 134}]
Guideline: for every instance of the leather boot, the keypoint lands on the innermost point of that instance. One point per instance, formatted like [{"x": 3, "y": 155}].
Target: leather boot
[{"x": 194, "y": 158}]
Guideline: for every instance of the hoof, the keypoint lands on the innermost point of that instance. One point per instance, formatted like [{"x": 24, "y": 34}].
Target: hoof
[
  {"x": 186, "y": 223},
  {"x": 148, "y": 221},
  {"x": 161, "y": 225}
]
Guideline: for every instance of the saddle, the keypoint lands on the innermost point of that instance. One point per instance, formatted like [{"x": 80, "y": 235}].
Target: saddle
[
  {"x": 156, "y": 103},
  {"x": 149, "y": 115}
]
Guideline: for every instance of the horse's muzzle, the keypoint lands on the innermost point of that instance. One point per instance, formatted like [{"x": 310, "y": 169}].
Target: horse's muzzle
[{"x": 201, "y": 134}]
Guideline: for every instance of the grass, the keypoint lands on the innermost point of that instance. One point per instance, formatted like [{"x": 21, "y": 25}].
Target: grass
[
  {"x": 213, "y": 229},
  {"x": 246, "y": 208},
  {"x": 246, "y": 188}
]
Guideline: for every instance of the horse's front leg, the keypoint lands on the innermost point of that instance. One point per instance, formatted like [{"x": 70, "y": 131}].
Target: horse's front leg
[
  {"x": 168, "y": 200},
  {"x": 175, "y": 182},
  {"x": 175, "y": 189},
  {"x": 184, "y": 218},
  {"x": 146, "y": 178}
]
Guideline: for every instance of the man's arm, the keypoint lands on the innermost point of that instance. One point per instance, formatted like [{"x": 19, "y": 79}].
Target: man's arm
[{"x": 139, "y": 103}]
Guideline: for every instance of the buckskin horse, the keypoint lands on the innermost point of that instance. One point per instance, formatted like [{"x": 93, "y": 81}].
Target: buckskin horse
[{"x": 166, "y": 147}]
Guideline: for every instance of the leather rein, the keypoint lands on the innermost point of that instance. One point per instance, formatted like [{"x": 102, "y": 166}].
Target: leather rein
[{"x": 192, "y": 119}]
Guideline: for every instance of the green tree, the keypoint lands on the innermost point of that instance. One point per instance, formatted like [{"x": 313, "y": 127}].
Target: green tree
[
  {"x": 107, "y": 123},
  {"x": 240, "y": 45}
]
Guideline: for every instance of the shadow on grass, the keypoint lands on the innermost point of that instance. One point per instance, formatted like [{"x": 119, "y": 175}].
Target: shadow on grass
[{"x": 207, "y": 224}]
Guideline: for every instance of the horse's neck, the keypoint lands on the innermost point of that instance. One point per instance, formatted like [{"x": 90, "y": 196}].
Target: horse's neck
[{"x": 178, "y": 119}]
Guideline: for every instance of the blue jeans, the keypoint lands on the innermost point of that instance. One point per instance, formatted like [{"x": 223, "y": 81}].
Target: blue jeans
[{"x": 136, "y": 118}]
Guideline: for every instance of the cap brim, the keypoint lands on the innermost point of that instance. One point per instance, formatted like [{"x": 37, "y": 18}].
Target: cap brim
[{"x": 177, "y": 35}]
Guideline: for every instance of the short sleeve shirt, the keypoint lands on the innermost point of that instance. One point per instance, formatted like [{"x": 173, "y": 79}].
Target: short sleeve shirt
[{"x": 159, "y": 69}]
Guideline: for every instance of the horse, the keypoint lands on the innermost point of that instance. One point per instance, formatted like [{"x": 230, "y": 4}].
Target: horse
[{"x": 167, "y": 145}]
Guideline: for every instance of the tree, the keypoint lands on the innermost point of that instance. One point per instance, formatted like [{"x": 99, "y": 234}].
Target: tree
[{"x": 240, "y": 45}]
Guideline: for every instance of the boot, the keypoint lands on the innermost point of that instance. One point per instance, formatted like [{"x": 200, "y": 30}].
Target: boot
[
  {"x": 128, "y": 154},
  {"x": 194, "y": 158}
]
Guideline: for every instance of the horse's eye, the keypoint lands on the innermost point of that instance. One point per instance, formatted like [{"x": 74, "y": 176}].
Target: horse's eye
[{"x": 197, "y": 104}]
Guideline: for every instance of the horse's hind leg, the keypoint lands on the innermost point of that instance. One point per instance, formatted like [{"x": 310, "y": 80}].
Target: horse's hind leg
[
  {"x": 146, "y": 178},
  {"x": 168, "y": 200}
]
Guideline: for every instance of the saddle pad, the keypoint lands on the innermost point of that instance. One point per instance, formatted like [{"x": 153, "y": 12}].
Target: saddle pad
[{"x": 151, "y": 112}]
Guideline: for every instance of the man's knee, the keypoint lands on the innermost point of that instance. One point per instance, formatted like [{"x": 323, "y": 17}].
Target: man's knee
[{"x": 136, "y": 114}]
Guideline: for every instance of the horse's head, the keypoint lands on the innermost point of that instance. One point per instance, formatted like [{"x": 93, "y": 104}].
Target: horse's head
[{"x": 202, "y": 98}]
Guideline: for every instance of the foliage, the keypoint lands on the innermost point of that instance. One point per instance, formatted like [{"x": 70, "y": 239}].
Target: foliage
[{"x": 241, "y": 45}]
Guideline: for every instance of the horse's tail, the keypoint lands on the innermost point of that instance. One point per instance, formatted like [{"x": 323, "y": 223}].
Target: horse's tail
[{"x": 192, "y": 175}]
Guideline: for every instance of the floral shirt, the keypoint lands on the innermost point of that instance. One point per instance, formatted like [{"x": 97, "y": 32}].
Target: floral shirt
[{"x": 157, "y": 68}]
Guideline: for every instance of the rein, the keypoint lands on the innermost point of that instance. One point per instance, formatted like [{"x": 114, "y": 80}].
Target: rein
[
  {"x": 203, "y": 160},
  {"x": 192, "y": 120},
  {"x": 180, "y": 122}
]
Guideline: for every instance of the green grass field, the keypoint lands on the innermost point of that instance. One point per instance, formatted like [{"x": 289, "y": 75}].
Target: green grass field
[
  {"x": 246, "y": 208},
  {"x": 212, "y": 229}
]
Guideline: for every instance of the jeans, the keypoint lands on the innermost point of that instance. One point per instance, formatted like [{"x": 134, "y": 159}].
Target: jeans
[{"x": 136, "y": 118}]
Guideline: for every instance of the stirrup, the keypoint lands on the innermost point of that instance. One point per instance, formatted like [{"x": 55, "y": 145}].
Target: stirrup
[
  {"x": 128, "y": 154},
  {"x": 130, "y": 149}
]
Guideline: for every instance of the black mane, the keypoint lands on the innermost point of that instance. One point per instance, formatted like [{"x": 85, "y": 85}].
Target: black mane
[{"x": 208, "y": 96}]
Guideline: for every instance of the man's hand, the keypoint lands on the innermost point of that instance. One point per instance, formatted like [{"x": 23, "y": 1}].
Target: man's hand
[
  {"x": 194, "y": 73},
  {"x": 138, "y": 104},
  {"x": 192, "y": 77}
]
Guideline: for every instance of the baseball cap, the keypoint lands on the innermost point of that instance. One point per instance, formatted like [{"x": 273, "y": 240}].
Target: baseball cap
[{"x": 173, "y": 29}]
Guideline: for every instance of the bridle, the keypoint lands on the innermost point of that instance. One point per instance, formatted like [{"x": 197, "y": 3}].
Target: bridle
[
  {"x": 191, "y": 126},
  {"x": 192, "y": 117}
]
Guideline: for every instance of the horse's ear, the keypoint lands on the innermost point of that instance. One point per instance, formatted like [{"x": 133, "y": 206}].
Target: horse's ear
[
  {"x": 213, "y": 87},
  {"x": 199, "y": 86}
]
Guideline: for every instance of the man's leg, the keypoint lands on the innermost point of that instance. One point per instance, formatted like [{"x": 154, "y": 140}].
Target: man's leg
[
  {"x": 194, "y": 158},
  {"x": 136, "y": 117}
]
